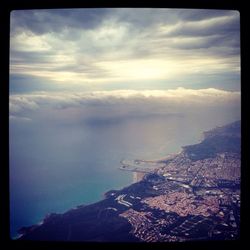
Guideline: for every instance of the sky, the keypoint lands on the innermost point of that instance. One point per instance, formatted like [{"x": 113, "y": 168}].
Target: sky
[
  {"x": 107, "y": 64},
  {"x": 109, "y": 49}
]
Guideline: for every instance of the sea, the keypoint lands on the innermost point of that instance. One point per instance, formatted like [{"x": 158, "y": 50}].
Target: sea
[{"x": 56, "y": 168}]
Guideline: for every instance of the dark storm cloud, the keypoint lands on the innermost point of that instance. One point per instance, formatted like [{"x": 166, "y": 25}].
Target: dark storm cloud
[
  {"x": 210, "y": 28},
  {"x": 198, "y": 15},
  {"x": 215, "y": 42},
  {"x": 31, "y": 57},
  {"x": 224, "y": 27},
  {"x": 143, "y": 18},
  {"x": 45, "y": 21}
]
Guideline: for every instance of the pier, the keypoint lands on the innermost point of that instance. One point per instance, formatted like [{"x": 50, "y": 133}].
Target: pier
[{"x": 139, "y": 166}]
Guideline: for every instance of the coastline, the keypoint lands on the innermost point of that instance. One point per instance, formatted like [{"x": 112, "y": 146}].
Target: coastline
[{"x": 120, "y": 203}]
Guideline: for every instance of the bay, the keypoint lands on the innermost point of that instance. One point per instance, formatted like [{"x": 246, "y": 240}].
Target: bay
[{"x": 56, "y": 168}]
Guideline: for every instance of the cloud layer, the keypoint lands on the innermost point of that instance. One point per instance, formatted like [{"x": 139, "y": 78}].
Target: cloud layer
[
  {"x": 94, "y": 47},
  {"x": 120, "y": 105}
]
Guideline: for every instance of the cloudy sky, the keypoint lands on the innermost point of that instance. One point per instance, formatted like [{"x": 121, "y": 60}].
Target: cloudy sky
[
  {"x": 104, "y": 49},
  {"x": 91, "y": 57}
]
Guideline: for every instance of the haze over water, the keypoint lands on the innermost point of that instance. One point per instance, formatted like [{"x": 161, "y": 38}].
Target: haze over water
[
  {"x": 54, "y": 169},
  {"x": 91, "y": 87}
]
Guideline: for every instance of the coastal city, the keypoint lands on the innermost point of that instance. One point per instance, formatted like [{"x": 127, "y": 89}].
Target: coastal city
[
  {"x": 196, "y": 194},
  {"x": 189, "y": 196}
]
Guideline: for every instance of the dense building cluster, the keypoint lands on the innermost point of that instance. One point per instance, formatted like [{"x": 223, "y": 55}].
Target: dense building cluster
[
  {"x": 198, "y": 199},
  {"x": 184, "y": 204},
  {"x": 203, "y": 172}
]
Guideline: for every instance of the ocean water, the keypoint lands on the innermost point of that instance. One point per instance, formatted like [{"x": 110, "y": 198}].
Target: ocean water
[{"x": 55, "y": 168}]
